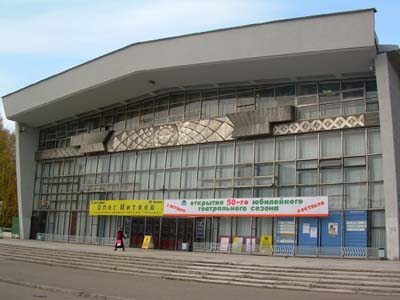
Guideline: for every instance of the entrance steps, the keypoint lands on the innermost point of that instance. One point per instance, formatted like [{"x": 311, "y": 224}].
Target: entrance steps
[{"x": 383, "y": 282}]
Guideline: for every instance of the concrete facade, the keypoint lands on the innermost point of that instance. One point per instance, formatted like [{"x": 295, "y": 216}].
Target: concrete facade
[{"x": 389, "y": 95}]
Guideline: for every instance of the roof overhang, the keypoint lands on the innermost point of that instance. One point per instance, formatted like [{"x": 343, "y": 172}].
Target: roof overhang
[{"x": 295, "y": 50}]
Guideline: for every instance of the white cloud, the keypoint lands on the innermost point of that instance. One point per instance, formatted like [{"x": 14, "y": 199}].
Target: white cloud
[{"x": 97, "y": 24}]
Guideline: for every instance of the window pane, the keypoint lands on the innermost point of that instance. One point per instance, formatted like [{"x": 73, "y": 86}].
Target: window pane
[
  {"x": 285, "y": 148},
  {"x": 174, "y": 158},
  {"x": 329, "y": 92},
  {"x": 307, "y": 146},
  {"x": 371, "y": 90},
  {"x": 245, "y": 171},
  {"x": 306, "y": 93},
  {"x": 189, "y": 178},
  {"x": 224, "y": 176},
  {"x": 307, "y": 177},
  {"x": 335, "y": 194},
  {"x": 119, "y": 121},
  {"x": 307, "y": 191},
  {"x": 285, "y": 95},
  {"x": 176, "y": 107},
  {"x": 265, "y": 150},
  {"x": 378, "y": 229},
  {"x": 307, "y": 112},
  {"x": 355, "y": 195},
  {"x": 329, "y": 109},
  {"x": 161, "y": 110},
  {"x": 245, "y": 97},
  {"x": 375, "y": 168},
  {"x": 354, "y": 174},
  {"x": 143, "y": 160},
  {"x": 142, "y": 180},
  {"x": 376, "y": 196},
  {"x": 132, "y": 119},
  {"x": 146, "y": 113},
  {"x": 129, "y": 161},
  {"x": 353, "y": 107},
  {"x": 374, "y": 141},
  {"x": 189, "y": 156},
  {"x": 116, "y": 163},
  {"x": 206, "y": 177},
  {"x": 156, "y": 180},
  {"x": 227, "y": 102},
  {"x": 244, "y": 152},
  {"x": 354, "y": 143},
  {"x": 331, "y": 145},
  {"x": 172, "y": 179},
  {"x": 331, "y": 175},
  {"x": 263, "y": 192},
  {"x": 207, "y": 155},
  {"x": 286, "y": 173},
  {"x": 209, "y": 105},
  {"x": 225, "y": 154},
  {"x": 353, "y": 90},
  {"x": 287, "y": 192},
  {"x": 192, "y": 106},
  {"x": 265, "y": 98}
]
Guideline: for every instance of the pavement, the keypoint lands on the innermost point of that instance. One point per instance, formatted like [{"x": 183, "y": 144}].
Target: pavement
[{"x": 245, "y": 259}]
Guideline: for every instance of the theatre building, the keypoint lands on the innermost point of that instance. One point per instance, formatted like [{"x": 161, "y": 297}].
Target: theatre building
[{"x": 276, "y": 138}]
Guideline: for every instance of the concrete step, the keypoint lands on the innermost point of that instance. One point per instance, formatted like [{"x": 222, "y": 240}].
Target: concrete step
[
  {"x": 235, "y": 274},
  {"x": 116, "y": 263},
  {"x": 252, "y": 271}
]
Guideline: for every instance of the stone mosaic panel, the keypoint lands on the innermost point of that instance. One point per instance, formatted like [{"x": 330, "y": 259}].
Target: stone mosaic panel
[
  {"x": 181, "y": 133},
  {"x": 203, "y": 131},
  {"x": 57, "y": 153},
  {"x": 319, "y": 125}
]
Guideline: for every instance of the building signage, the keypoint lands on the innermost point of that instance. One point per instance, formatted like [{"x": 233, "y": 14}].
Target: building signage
[
  {"x": 356, "y": 225},
  {"x": 249, "y": 207},
  {"x": 126, "y": 208}
]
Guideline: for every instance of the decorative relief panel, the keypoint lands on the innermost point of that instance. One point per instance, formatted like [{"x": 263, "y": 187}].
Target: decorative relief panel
[
  {"x": 319, "y": 125},
  {"x": 203, "y": 131},
  {"x": 181, "y": 133},
  {"x": 57, "y": 153}
]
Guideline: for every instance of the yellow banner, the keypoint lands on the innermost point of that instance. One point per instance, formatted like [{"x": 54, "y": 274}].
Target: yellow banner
[{"x": 145, "y": 208}]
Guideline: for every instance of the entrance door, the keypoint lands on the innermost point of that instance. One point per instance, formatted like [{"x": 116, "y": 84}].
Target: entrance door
[
  {"x": 185, "y": 232},
  {"x": 137, "y": 232},
  {"x": 153, "y": 229},
  {"x": 38, "y": 223},
  {"x": 168, "y": 233}
]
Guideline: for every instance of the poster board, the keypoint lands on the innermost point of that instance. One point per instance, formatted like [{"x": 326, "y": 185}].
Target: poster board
[
  {"x": 147, "y": 242},
  {"x": 237, "y": 244}
]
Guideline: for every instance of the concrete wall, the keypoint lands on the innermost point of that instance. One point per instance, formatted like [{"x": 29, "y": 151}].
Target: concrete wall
[
  {"x": 27, "y": 140},
  {"x": 389, "y": 102}
]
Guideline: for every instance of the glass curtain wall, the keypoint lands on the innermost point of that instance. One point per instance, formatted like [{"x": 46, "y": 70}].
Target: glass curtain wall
[
  {"x": 312, "y": 100},
  {"x": 344, "y": 165}
]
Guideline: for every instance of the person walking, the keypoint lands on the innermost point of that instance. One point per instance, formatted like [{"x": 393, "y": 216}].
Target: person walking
[{"x": 120, "y": 240}]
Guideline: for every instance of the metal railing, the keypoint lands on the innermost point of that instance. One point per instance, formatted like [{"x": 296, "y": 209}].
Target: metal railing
[
  {"x": 77, "y": 239},
  {"x": 269, "y": 250},
  {"x": 277, "y": 250}
]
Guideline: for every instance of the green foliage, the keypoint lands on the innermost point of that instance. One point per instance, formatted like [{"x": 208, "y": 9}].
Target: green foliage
[{"x": 8, "y": 178}]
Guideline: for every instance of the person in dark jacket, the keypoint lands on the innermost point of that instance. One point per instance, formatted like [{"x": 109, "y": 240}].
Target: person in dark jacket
[{"x": 119, "y": 240}]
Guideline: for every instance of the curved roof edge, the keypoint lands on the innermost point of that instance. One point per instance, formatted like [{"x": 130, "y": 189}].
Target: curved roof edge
[{"x": 190, "y": 34}]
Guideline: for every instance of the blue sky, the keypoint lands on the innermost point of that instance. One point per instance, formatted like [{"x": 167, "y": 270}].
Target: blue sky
[{"x": 39, "y": 38}]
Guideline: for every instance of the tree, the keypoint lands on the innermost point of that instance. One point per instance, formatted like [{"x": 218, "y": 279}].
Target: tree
[{"x": 8, "y": 177}]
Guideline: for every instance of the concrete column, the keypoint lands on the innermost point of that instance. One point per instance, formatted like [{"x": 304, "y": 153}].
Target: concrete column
[
  {"x": 388, "y": 82},
  {"x": 27, "y": 140}
]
